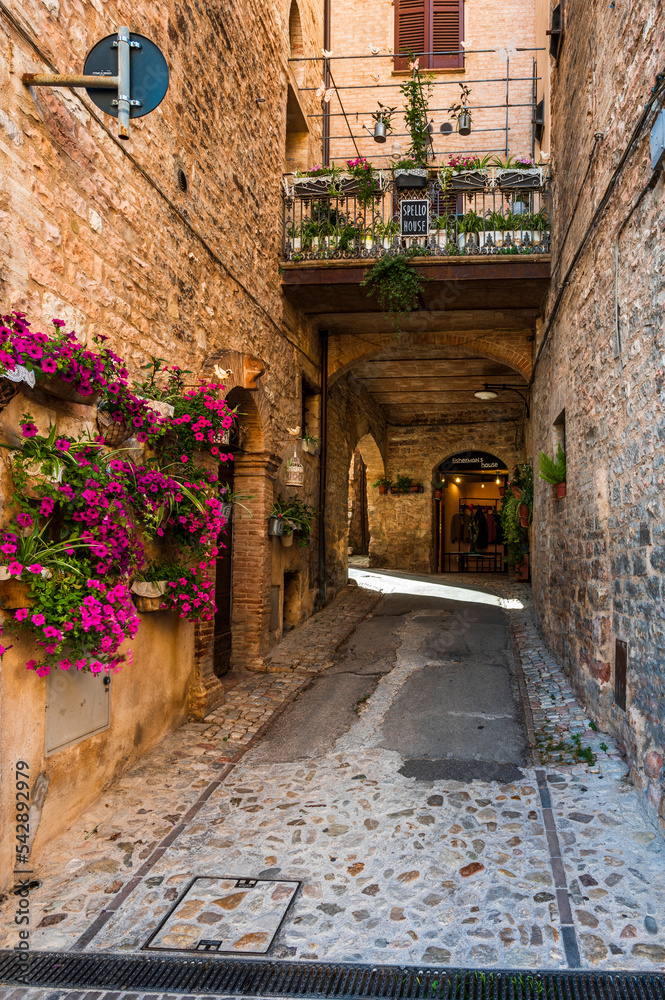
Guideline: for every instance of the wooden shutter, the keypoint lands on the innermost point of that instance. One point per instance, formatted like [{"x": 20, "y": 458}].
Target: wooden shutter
[
  {"x": 447, "y": 33},
  {"x": 410, "y": 29}
]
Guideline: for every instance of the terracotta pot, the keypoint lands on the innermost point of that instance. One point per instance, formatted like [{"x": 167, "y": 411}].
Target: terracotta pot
[
  {"x": 114, "y": 433},
  {"x": 15, "y": 594},
  {"x": 383, "y": 489},
  {"x": 561, "y": 490},
  {"x": 53, "y": 385},
  {"x": 516, "y": 491},
  {"x": 524, "y": 515},
  {"x": 438, "y": 494},
  {"x": 502, "y": 491},
  {"x": 414, "y": 489}
]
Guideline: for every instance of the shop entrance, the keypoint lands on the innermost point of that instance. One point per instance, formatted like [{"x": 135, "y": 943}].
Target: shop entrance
[{"x": 467, "y": 501}]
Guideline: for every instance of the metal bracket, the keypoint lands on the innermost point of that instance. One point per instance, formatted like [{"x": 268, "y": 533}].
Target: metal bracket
[
  {"x": 132, "y": 45},
  {"x": 132, "y": 104}
]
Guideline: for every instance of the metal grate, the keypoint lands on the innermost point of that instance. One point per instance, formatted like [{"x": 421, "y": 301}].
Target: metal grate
[{"x": 318, "y": 979}]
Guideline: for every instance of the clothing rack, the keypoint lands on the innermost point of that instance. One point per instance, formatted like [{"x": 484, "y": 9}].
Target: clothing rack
[{"x": 485, "y": 561}]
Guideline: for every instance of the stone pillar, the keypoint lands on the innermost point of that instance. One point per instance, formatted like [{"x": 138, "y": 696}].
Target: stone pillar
[{"x": 254, "y": 474}]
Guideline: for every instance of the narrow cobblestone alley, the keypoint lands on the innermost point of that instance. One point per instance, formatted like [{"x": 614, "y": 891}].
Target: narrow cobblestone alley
[{"x": 399, "y": 786}]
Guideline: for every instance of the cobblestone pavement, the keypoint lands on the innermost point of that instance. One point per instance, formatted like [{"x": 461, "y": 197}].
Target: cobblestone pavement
[{"x": 393, "y": 869}]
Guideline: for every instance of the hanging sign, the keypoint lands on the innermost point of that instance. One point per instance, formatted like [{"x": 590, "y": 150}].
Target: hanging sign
[
  {"x": 472, "y": 461},
  {"x": 414, "y": 215}
]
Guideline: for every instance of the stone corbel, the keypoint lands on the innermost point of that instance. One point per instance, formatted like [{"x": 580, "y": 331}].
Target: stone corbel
[{"x": 237, "y": 370}]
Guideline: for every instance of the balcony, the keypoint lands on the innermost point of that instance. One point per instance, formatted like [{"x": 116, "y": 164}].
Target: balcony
[{"x": 484, "y": 248}]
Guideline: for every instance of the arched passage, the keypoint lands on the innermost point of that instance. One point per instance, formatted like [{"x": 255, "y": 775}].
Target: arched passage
[{"x": 366, "y": 467}]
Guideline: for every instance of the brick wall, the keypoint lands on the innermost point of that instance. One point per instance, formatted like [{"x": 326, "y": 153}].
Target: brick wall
[{"x": 599, "y": 555}]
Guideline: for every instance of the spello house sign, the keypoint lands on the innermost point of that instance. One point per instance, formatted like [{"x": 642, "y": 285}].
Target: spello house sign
[{"x": 472, "y": 461}]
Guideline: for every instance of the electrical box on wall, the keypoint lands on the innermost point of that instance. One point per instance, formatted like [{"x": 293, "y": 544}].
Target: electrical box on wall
[{"x": 78, "y": 705}]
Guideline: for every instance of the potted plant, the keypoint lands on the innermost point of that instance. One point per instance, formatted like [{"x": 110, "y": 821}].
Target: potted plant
[
  {"x": 364, "y": 181},
  {"x": 294, "y": 515},
  {"x": 514, "y": 535},
  {"x": 470, "y": 228},
  {"x": 148, "y": 594},
  {"x": 411, "y": 172},
  {"x": 228, "y": 499},
  {"x": 317, "y": 181},
  {"x": 310, "y": 444},
  {"x": 382, "y": 119},
  {"x": 553, "y": 471},
  {"x": 439, "y": 228},
  {"x": 387, "y": 231},
  {"x": 383, "y": 484},
  {"x": 460, "y": 111},
  {"x": 517, "y": 172},
  {"x": 439, "y": 487}
]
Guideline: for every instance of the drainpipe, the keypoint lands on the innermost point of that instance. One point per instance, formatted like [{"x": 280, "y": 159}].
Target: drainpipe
[
  {"x": 323, "y": 469},
  {"x": 326, "y": 79}
]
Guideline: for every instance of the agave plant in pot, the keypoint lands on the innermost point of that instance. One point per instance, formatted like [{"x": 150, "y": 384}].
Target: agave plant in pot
[{"x": 383, "y": 485}]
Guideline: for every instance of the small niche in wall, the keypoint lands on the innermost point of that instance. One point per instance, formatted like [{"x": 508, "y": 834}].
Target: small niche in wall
[
  {"x": 274, "y": 607},
  {"x": 78, "y": 705}
]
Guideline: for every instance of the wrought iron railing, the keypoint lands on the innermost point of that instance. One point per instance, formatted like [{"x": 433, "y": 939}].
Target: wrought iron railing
[{"x": 490, "y": 212}]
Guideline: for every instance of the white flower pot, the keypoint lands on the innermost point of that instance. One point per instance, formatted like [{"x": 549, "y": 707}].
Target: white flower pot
[{"x": 158, "y": 406}]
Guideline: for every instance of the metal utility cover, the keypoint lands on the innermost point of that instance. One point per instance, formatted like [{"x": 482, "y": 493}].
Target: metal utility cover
[
  {"x": 225, "y": 914},
  {"x": 78, "y": 705}
]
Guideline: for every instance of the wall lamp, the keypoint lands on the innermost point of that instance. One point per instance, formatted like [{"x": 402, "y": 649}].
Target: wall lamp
[{"x": 492, "y": 391}]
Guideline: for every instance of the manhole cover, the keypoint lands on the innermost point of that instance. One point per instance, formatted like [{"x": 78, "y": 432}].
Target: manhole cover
[{"x": 225, "y": 914}]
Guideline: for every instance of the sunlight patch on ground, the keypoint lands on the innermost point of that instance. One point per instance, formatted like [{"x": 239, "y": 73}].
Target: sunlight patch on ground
[{"x": 392, "y": 583}]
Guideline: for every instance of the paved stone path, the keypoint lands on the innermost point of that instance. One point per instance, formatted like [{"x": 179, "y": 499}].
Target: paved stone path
[{"x": 395, "y": 868}]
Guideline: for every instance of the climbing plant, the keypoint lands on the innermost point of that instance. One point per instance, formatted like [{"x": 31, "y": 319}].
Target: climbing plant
[{"x": 417, "y": 91}]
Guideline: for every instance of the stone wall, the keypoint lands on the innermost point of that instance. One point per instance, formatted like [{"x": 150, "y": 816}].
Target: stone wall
[
  {"x": 169, "y": 245},
  {"x": 402, "y": 526},
  {"x": 599, "y": 555}
]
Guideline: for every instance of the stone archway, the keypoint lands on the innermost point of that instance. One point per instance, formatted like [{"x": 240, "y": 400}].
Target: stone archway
[{"x": 373, "y": 459}]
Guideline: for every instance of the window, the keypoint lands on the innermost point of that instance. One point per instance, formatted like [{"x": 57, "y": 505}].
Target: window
[{"x": 430, "y": 26}]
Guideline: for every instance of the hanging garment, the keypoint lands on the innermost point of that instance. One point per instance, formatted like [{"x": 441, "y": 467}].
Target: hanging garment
[
  {"x": 481, "y": 524},
  {"x": 491, "y": 528}
]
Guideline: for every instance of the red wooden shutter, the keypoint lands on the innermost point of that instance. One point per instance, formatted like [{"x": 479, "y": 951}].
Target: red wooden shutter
[
  {"x": 410, "y": 33},
  {"x": 447, "y": 33}
]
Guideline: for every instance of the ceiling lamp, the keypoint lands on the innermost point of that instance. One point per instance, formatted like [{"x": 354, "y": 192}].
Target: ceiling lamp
[{"x": 491, "y": 392}]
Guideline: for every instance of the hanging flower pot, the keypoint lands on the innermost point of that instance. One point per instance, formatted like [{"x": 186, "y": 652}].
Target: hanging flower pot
[
  {"x": 148, "y": 595},
  {"x": 464, "y": 123},
  {"x": 286, "y": 540},
  {"x": 383, "y": 489},
  {"x": 114, "y": 432},
  {"x": 502, "y": 491},
  {"x": 516, "y": 491},
  {"x": 524, "y": 515},
  {"x": 561, "y": 490},
  {"x": 295, "y": 472},
  {"x": 276, "y": 526},
  {"x": 438, "y": 494},
  {"x": 227, "y": 511},
  {"x": 14, "y": 593}
]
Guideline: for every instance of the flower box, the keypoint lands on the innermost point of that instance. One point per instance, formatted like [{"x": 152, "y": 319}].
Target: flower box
[
  {"x": 158, "y": 406},
  {"x": 411, "y": 178},
  {"x": 469, "y": 180},
  {"x": 416, "y": 488},
  {"x": 53, "y": 385},
  {"x": 327, "y": 184},
  {"x": 509, "y": 179}
]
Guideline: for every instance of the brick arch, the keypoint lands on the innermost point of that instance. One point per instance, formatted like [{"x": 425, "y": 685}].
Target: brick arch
[
  {"x": 346, "y": 350},
  {"x": 478, "y": 440},
  {"x": 250, "y": 421}
]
